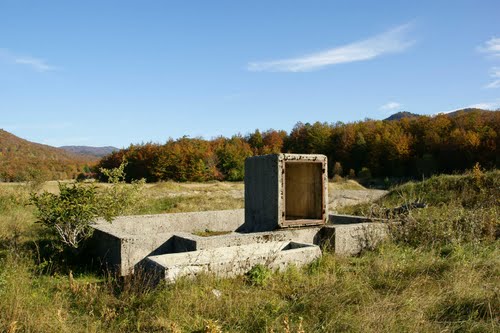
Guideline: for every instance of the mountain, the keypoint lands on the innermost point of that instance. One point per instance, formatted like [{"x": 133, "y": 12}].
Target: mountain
[
  {"x": 22, "y": 160},
  {"x": 466, "y": 110},
  {"x": 401, "y": 115},
  {"x": 90, "y": 151}
]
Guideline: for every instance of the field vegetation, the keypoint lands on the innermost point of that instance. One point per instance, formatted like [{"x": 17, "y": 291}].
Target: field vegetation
[{"x": 439, "y": 272}]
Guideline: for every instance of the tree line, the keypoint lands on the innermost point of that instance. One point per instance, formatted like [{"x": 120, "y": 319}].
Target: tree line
[{"x": 408, "y": 147}]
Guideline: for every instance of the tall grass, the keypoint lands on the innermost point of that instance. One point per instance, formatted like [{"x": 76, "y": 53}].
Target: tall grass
[
  {"x": 425, "y": 282},
  {"x": 460, "y": 208}
]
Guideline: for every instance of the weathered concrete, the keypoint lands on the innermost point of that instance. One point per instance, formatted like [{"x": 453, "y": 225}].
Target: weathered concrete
[
  {"x": 351, "y": 239},
  {"x": 285, "y": 190},
  {"x": 284, "y": 221},
  {"x": 220, "y": 220},
  {"x": 123, "y": 245},
  {"x": 192, "y": 242},
  {"x": 129, "y": 239},
  {"x": 230, "y": 261}
]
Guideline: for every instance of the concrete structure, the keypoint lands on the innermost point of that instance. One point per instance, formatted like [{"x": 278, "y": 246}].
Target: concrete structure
[
  {"x": 284, "y": 221},
  {"x": 351, "y": 239},
  {"x": 285, "y": 190},
  {"x": 230, "y": 261},
  {"x": 129, "y": 240}
]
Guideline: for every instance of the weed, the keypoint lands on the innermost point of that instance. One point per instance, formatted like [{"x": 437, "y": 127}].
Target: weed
[{"x": 258, "y": 275}]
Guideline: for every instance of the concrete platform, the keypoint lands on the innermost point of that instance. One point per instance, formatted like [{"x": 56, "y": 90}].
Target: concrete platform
[
  {"x": 230, "y": 261},
  {"x": 129, "y": 240}
]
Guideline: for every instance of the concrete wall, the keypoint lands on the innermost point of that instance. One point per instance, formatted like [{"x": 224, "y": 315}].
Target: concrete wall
[
  {"x": 262, "y": 197},
  {"x": 221, "y": 220},
  {"x": 351, "y": 239},
  {"x": 123, "y": 243}
]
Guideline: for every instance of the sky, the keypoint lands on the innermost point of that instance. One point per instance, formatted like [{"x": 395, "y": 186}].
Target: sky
[{"x": 101, "y": 73}]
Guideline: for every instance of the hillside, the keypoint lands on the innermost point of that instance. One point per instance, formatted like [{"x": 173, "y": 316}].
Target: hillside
[
  {"x": 90, "y": 151},
  {"x": 401, "y": 115},
  {"x": 22, "y": 160}
]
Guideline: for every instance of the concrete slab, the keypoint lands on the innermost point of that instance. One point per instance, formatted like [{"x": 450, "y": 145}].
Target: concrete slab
[
  {"x": 351, "y": 239},
  {"x": 230, "y": 261},
  {"x": 220, "y": 220}
]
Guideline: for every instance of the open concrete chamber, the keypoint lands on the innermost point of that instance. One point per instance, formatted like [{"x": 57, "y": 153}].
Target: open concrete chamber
[
  {"x": 285, "y": 190},
  {"x": 303, "y": 192}
]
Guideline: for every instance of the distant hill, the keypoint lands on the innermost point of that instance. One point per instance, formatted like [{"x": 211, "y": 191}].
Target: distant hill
[
  {"x": 22, "y": 160},
  {"x": 406, "y": 114},
  {"x": 90, "y": 151},
  {"x": 466, "y": 110},
  {"x": 401, "y": 115}
]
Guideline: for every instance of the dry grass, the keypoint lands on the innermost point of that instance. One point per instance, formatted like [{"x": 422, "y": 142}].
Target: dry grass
[{"x": 398, "y": 287}]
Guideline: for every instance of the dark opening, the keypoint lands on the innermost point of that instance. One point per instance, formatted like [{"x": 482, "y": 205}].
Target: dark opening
[{"x": 303, "y": 192}]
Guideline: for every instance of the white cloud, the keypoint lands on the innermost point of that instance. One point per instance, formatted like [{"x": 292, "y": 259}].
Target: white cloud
[
  {"x": 495, "y": 74},
  {"x": 485, "y": 105},
  {"x": 391, "y": 41},
  {"x": 39, "y": 65},
  {"x": 491, "y": 47},
  {"x": 493, "y": 84},
  {"x": 390, "y": 106}
]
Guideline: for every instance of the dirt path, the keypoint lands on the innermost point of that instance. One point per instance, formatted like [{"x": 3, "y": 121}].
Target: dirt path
[{"x": 340, "y": 198}]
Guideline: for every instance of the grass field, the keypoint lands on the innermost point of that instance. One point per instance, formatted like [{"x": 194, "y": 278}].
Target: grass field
[{"x": 440, "y": 272}]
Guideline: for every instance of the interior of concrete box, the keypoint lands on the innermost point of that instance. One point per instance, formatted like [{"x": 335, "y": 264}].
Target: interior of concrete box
[{"x": 303, "y": 192}]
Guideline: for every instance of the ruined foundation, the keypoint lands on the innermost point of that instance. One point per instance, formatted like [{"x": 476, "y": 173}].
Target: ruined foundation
[{"x": 284, "y": 222}]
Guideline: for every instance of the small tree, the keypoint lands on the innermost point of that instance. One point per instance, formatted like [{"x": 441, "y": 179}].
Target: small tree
[
  {"x": 71, "y": 213},
  {"x": 337, "y": 169}
]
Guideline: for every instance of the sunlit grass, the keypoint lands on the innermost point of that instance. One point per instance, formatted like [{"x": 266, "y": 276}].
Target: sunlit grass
[{"x": 402, "y": 286}]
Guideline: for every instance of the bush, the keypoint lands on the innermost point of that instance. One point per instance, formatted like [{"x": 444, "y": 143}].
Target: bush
[
  {"x": 70, "y": 213},
  {"x": 258, "y": 275}
]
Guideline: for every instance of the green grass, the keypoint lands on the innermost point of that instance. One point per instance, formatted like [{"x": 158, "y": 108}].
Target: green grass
[
  {"x": 434, "y": 276},
  {"x": 460, "y": 208}
]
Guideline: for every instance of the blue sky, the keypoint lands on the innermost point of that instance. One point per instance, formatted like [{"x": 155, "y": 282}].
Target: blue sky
[{"x": 120, "y": 72}]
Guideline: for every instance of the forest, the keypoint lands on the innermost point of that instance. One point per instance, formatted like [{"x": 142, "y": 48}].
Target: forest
[
  {"x": 22, "y": 160},
  {"x": 411, "y": 147}
]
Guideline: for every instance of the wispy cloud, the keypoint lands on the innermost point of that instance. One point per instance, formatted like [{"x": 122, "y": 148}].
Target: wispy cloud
[
  {"x": 494, "y": 74},
  {"x": 390, "y": 106},
  {"x": 485, "y": 105},
  {"x": 491, "y": 47},
  {"x": 492, "y": 105},
  {"x": 392, "y": 41},
  {"x": 39, "y": 65}
]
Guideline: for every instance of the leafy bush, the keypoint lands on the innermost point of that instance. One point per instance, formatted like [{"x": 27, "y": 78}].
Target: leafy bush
[{"x": 71, "y": 212}]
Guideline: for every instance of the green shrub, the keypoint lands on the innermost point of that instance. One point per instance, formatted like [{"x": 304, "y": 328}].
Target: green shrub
[
  {"x": 258, "y": 275},
  {"x": 70, "y": 213}
]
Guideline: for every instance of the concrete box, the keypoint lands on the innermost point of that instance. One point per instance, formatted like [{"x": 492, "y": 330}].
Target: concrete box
[
  {"x": 230, "y": 261},
  {"x": 285, "y": 190}
]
